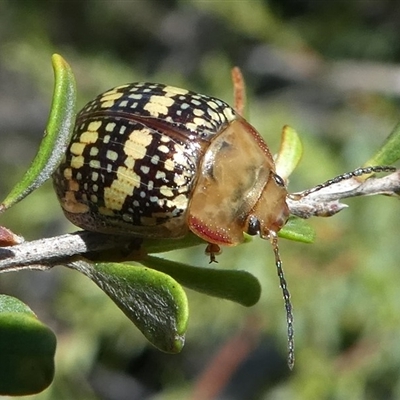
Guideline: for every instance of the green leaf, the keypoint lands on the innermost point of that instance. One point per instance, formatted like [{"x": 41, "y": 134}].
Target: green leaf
[
  {"x": 290, "y": 152},
  {"x": 152, "y": 300},
  {"x": 165, "y": 245},
  {"x": 238, "y": 286},
  {"x": 56, "y": 138},
  {"x": 27, "y": 349},
  {"x": 298, "y": 230},
  {"x": 10, "y": 304},
  {"x": 152, "y": 246},
  {"x": 389, "y": 153}
]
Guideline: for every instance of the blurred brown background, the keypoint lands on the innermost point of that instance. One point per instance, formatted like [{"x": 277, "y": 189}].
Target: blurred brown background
[{"x": 331, "y": 70}]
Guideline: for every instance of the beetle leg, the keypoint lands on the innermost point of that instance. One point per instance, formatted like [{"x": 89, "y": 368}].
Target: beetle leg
[{"x": 213, "y": 250}]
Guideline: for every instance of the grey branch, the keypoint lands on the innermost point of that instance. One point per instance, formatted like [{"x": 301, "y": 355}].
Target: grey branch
[
  {"x": 326, "y": 202},
  {"x": 45, "y": 253}
]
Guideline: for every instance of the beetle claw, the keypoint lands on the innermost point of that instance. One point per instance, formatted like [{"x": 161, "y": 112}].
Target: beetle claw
[{"x": 213, "y": 250}]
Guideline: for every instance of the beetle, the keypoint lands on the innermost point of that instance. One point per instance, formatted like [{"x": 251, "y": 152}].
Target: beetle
[{"x": 155, "y": 161}]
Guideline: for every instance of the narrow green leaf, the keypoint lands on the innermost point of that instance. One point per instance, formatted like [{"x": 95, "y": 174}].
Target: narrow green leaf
[
  {"x": 152, "y": 300},
  {"x": 152, "y": 246},
  {"x": 389, "y": 153},
  {"x": 56, "y": 137},
  {"x": 164, "y": 245},
  {"x": 238, "y": 286},
  {"x": 290, "y": 152},
  {"x": 27, "y": 349},
  {"x": 298, "y": 230},
  {"x": 12, "y": 305}
]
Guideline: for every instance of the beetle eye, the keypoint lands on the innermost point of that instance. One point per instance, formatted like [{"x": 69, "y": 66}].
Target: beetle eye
[
  {"x": 278, "y": 180},
  {"x": 253, "y": 227}
]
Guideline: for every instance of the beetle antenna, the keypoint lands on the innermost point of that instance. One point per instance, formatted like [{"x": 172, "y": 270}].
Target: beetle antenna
[
  {"x": 347, "y": 175},
  {"x": 286, "y": 299}
]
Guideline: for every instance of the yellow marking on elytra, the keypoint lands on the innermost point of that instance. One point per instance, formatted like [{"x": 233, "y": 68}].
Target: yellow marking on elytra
[
  {"x": 67, "y": 173},
  {"x": 94, "y": 151},
  {"x": 130, "y": 162},
  {"x": 94, "y": 126},
  {"x": 201, "y": 122},
  {"x": 145, "y": 169},
  {"x": 229, "y": 114},
  {"x": 94, "y": 164},
  {"x": 107, "y": 104},
  {"x": 73, "y": 185},
  {"x": 106, "y": 139},
  {"x": 179, "y": 180},
  {"x": 194, "y": 100},
  {"x": 183, "y": 189},
  {"x": 141, "y": 136},
  {"x": 137, "y": 143},
  {"x": 110, "y": 126},
  {"x": 180, "y": 201},
  {"x": 173, "y": 91},
  {"x": 163, "y": 149},
  {"x": 191, "y": 126},
  {"x": 110, "y": 92},
  {"x": 166, "y": 191},
  {"x": 158, "y": 105},
  {"x": 70, "y": 204},
  {"x": 135, "y": 96},
  {"x": 119, "y": 88},
  {"x": 110, "y": 96},
  {"x": 160, "y": 175},
  {"x": 112, "y": 155},
  {"x": 77, "y": 162},
  {"x": 214, "y": 115},
  {"x": 77, "y": 148},
  {"x": 212, "y": 104},
  {"x": 155, "y": 159},
  {"x": 89, "y": 137},
  {"x": 169, "y": 165},
  {"x": 179, "y": 156},
  {"x": 134, "y": 150},
  {"x": 123, "y": 186},
  {"x": 198, "y": 112}
]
